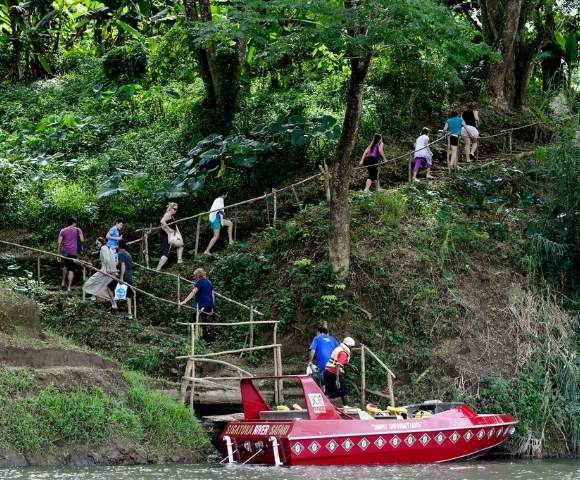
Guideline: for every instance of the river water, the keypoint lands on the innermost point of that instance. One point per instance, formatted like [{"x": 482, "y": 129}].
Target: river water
[{"x": 474, "y": 470}]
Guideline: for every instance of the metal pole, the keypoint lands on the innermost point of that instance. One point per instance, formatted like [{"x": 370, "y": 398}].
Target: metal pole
[
  {"x": 197, "y": 236},
  {"x": 276, "y": 371},
  {"x": 363, "y": 378},
  {"x": 391, "y": 392},
  {"x": 280, "y": 372}
]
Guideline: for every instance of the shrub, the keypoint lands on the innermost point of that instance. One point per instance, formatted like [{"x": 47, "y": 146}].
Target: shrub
[{"x": 126, "y": 63}]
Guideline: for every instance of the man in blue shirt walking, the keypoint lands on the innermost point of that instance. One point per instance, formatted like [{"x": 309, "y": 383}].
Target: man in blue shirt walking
[{"x": 321, "y": 347}]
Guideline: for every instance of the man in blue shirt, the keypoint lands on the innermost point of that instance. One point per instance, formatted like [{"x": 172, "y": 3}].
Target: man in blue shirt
[
  {"x": 321, "y": 347},
  {"x": 204, "y": 295},
  {"x": 454, "y": 125},
  {"x": 114, "y": 236}
]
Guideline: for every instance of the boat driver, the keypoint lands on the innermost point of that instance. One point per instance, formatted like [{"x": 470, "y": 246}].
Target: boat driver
[{"x": 334, "y": 384}]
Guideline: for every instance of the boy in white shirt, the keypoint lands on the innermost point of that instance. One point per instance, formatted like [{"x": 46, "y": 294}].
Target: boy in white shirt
[
  {"x": 423, "y": 154},
  {"x": 217, "y": 220}
]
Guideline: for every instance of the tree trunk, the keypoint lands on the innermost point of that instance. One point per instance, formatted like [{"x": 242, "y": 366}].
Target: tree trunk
[
  {"x": 15, "y": 66},
  {"x": 341, "y": 168},
  {"x": 504, "y": 28},
  {"x": 220, "y": 69}
]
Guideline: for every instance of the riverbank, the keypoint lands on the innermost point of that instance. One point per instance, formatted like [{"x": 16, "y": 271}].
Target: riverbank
[{"x": 64, "y": 405}]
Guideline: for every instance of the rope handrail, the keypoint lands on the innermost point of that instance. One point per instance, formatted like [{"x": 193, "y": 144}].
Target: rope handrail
[
  {"x": 233, "y": 205},
  {"x": 312, "y": 177},
  {"x": 220, "y": 295}
]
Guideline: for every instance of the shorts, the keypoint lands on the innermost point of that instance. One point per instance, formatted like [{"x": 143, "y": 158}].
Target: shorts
[
  {"x": 330, "y": 386},
  {"x": 113, "y": 284},
  {"x": 69, "y": 262},
  {"x": 422, "y": 162},
  {"x": 216, "y": 224},
  {"x": 454, "y": 140},
  {"x": 165, "y": 247},
  {"x": 372, "y": 168}
]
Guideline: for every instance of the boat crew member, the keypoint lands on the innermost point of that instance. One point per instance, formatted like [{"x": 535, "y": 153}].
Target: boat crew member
[
  {"x": 334, "y": 385},
  {"x": 321, "y": 348}
]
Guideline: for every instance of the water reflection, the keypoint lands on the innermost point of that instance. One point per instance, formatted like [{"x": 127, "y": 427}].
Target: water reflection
[{"x": 481, "y": 470}]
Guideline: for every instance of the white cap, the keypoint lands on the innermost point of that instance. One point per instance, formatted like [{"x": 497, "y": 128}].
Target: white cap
[{"x": 348, "y": 341}]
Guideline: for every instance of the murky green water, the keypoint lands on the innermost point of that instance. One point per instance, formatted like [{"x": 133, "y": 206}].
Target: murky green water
[{"x": 477, "y": 470}]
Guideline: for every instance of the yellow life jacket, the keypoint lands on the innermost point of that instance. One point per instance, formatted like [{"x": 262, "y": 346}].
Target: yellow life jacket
[{"x": 334, "y": 356}]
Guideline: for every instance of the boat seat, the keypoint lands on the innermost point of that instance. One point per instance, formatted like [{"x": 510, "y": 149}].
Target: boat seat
[{"x": 289, "y": 415}]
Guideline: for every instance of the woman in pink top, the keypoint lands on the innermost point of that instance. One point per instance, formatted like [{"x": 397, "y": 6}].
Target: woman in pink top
[{"x": 371, "y": 157}]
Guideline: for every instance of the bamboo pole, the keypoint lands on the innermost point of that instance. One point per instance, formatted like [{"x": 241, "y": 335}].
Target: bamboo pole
[
  {"x": 197, "y": 236},
  {"x": 275, "y": 199},
  {"x": 251, "y": 327},
  {"x": 228, "y": 352},
  {"x": 196, "y": 328},
  {"x": 268, "y": 211},
  {"x": 234, "y": 233},
  {"x": 38, "y": 267},
  {"x": 391, "y": 392},
  {"x": 410, "y": 175},
  {"x": 223, "y": 362},
  {"x": 363, "y": 372},
  {"x": 178, "y": 293},
  {"x": 511, "y": 141},
  {"x": 185, "y": 380},
  {"x": 84, "y": 280}
]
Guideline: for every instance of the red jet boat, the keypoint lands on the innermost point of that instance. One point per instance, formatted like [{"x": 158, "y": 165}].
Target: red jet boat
[{"x": 321, "y": 434}]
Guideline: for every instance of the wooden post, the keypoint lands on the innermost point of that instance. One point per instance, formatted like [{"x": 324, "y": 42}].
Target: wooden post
[
  {"x": 267, "y": 210},
  {"x": 193, "y": 337},
  {"x": 184, "y": 382},
  {"x": 38, "y": 267},
  {"x": 178, "y": 293},
  {"x": 196, "y": 333},
  {"x": 363, "y": 379},
  {"x": 390, "y": 387},
  {"x": 411, "y": 167},
  {"x": 296, "y": 198},
  {"x": 449, "y": 153},
  {"x": 251, "y": 327},
  {"x": 511, "y": 143},
  {"x": 197, "y": 236},
  {"x": 235, "y": 223},
  {"x": 535, "y": 133},
  {"x": 135, "y": 304},
  {"x": 275, "y": 218},
  {"x": 146, "y": 247},
  {"x": 84, "y": 279}
]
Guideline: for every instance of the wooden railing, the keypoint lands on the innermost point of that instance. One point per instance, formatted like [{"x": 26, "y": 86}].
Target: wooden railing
[{"x": 363, "y": 377}]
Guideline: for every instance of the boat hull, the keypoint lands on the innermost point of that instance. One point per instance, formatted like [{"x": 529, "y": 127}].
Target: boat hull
[{"x": 369, "y": 442}]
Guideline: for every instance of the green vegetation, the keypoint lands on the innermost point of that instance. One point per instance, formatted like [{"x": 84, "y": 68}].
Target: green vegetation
[
  {"x": 37, "y": 418},
  {"x": 469, "y": 286}
]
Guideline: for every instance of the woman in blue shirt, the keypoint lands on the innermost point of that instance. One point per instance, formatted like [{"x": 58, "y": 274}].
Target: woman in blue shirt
[
  {"x": 204, "y": 295},
  {"x": 453, "y": 126}
]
